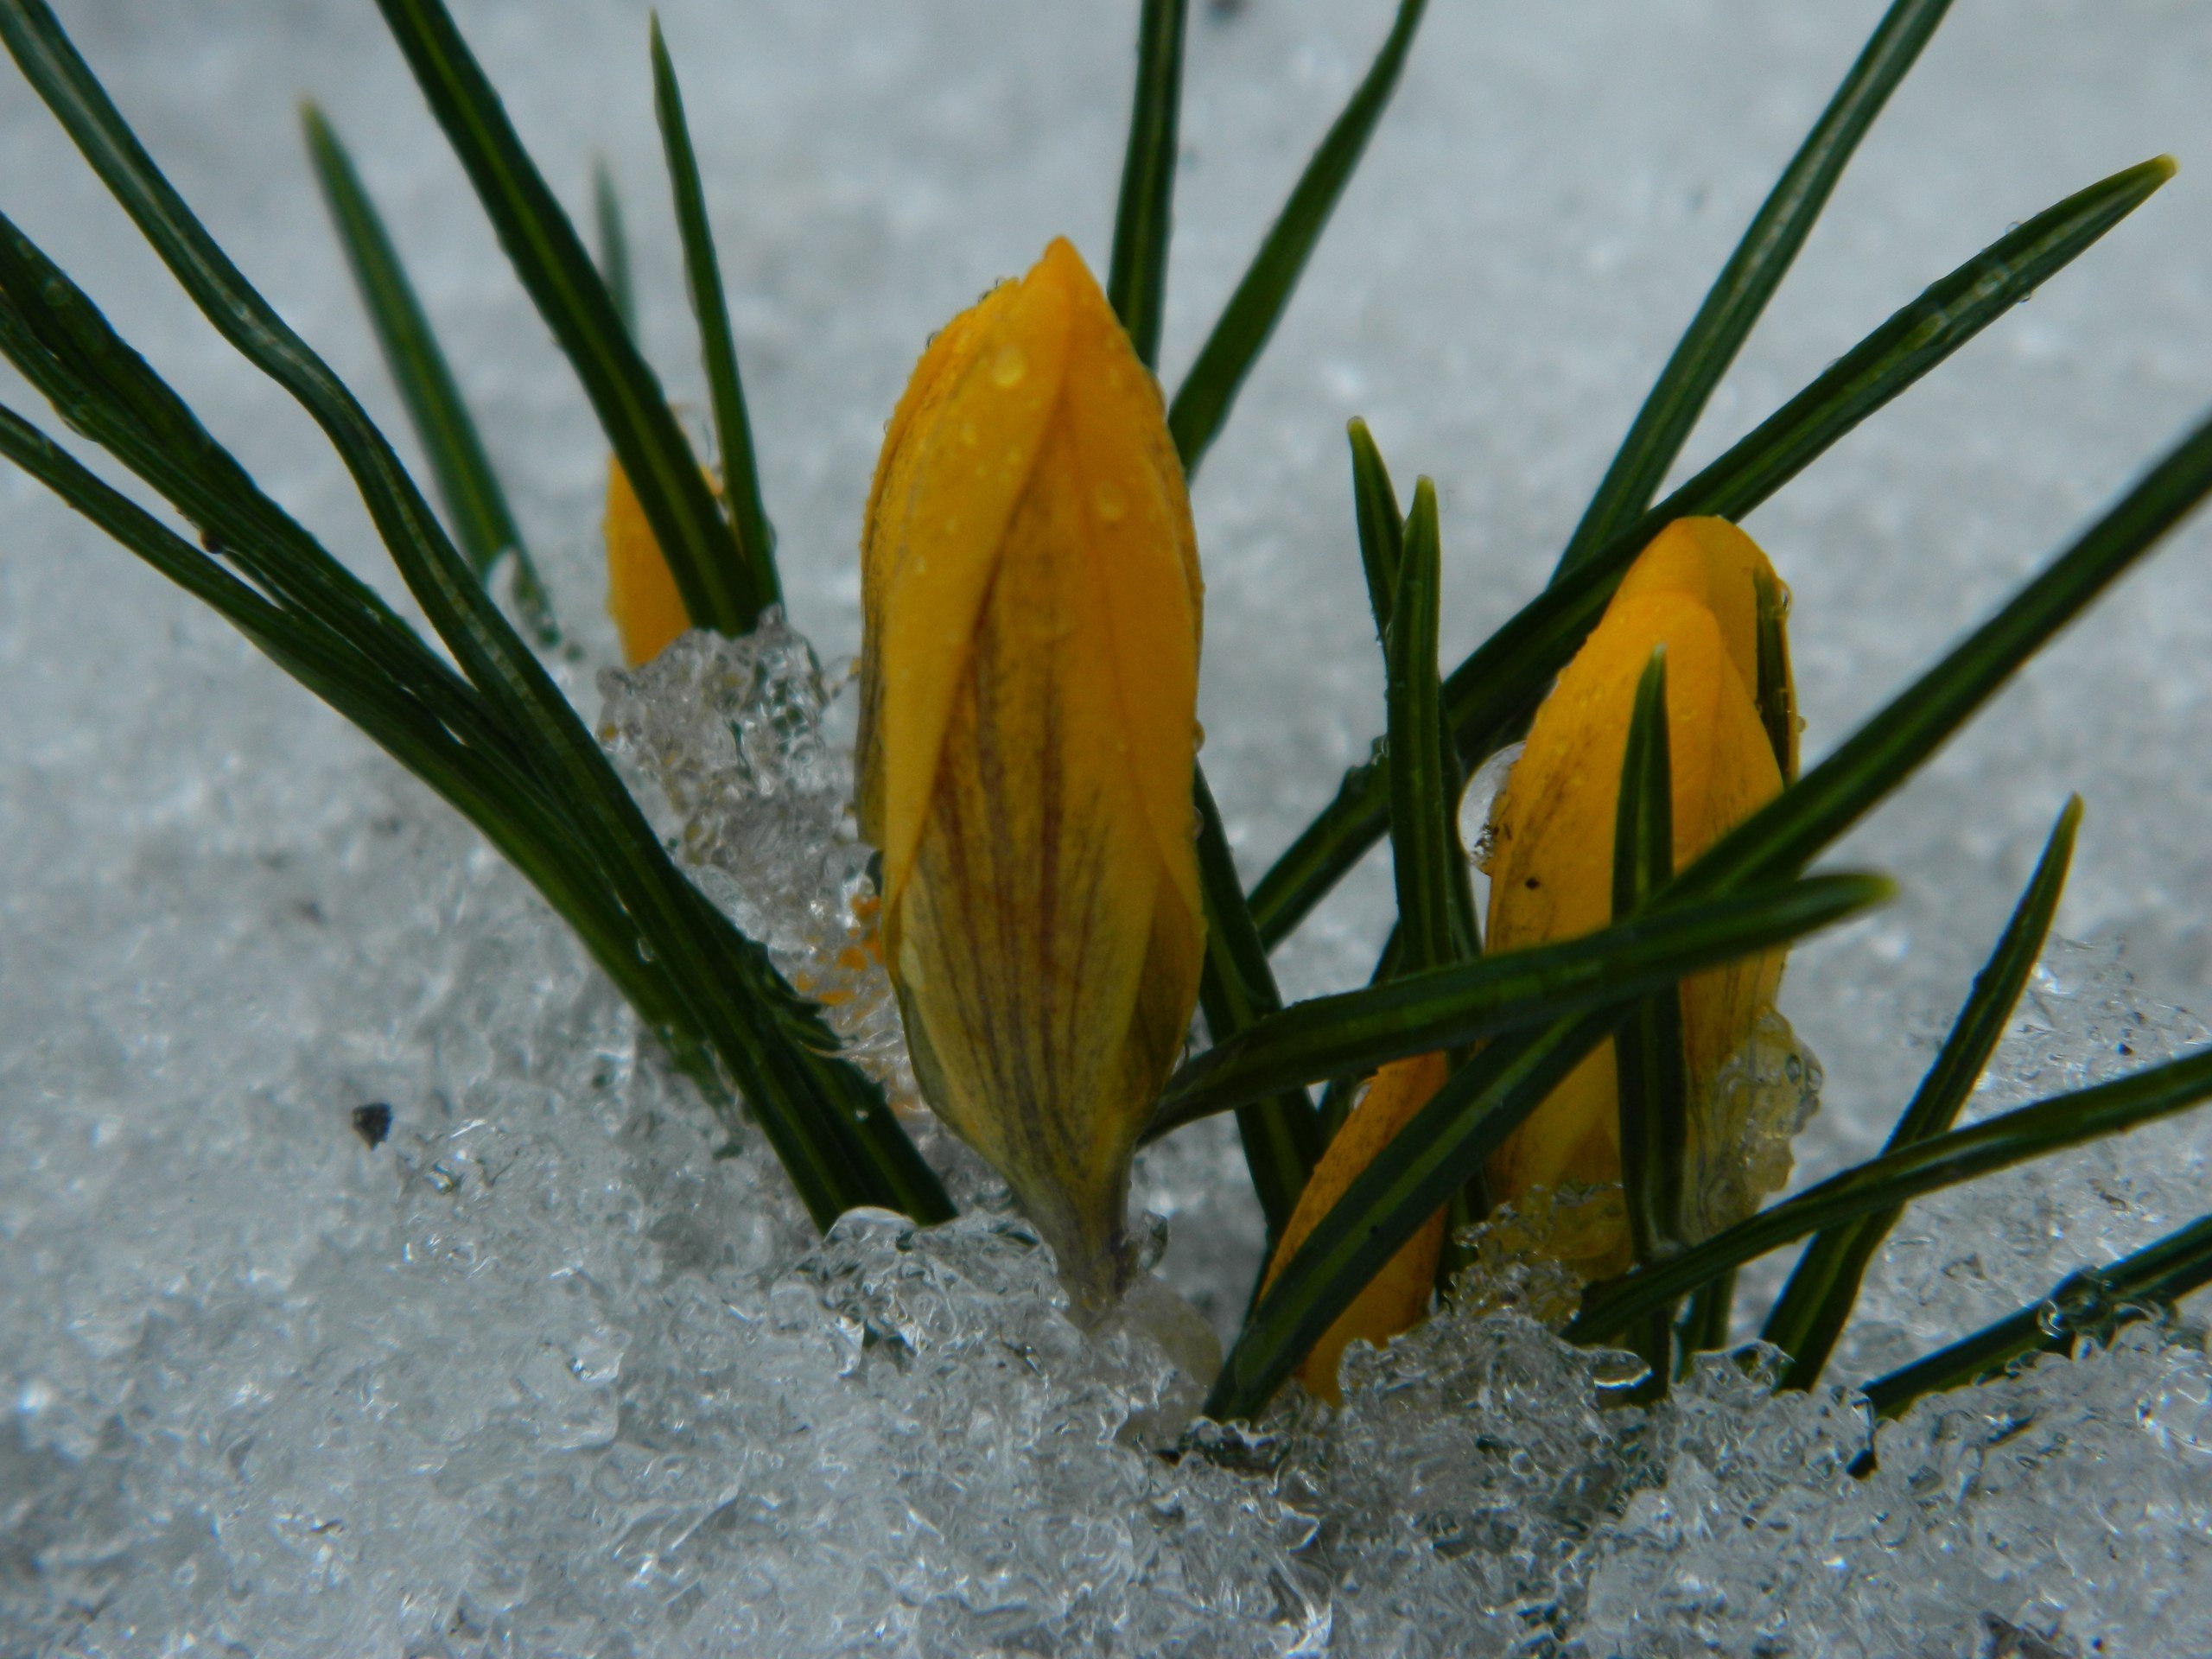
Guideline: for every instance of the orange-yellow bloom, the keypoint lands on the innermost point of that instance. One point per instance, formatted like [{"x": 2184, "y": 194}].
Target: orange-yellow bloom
[
  {"x": 1028, "y": 724},
  {"x": 1397, "y": 1297},
  {"x": 1696, "y": 590},
  {"x": 641, "y": 594}
]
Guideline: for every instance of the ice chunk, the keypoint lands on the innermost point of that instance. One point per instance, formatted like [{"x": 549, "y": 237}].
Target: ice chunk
[{"x": 726, "y": 741}]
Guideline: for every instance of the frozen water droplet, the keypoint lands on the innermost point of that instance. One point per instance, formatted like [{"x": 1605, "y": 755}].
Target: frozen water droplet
[{"x": 1479, "y": 800}]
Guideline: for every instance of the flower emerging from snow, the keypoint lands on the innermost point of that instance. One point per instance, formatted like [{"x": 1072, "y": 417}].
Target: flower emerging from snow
[
  {"x": 1704, "y": 591},
  {"x": 1028, "y": 724}
]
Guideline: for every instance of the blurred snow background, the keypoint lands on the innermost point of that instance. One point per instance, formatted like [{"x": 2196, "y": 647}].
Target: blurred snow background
[{"x": 539, "y": 1375}]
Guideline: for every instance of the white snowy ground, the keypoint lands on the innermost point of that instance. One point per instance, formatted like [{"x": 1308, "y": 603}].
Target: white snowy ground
[{"x": 541, "y": 1376}]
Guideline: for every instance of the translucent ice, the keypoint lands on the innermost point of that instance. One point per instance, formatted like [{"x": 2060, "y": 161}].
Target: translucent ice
[{"x": 726, "y": 741}]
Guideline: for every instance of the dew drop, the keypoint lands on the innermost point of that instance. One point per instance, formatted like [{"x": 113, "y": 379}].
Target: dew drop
[
  {"x": 1108, "y": 503},
  {"x": 1008, "y": 365}
]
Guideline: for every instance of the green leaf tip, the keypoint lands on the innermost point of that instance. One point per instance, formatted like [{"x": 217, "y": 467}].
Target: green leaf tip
[{"x": 749, "y": 513}]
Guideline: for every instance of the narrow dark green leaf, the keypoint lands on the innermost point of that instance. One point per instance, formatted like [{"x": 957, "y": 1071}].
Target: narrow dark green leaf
[
  {"x": 1650, "y": 1075},
  {"x": 461, "y": 469},
  {"x": 1777, "y": 687},
  {"x": 1897, "y": 1178},
  {"x": 613, "y": 245},
  {"x": 1704, "y": 1326},
  {"x": 1812, "y": 1308},
  {"x": 1281, "y": 1135},
  {"x": 748, "y": 515},
  {"x": 825, "y": 1120},
  {"x": 1202, "y": 402},
  {"x": 1424, "y": 840},
  {"x": 1494, "y": 688},
  {"x": 2095, "y": 1302},
  {"x": 1652, "y": 1078},
  {"x": 1424, "y": 1167},
  {"x": 720, "y": 590},
  {"x": 1382, "y": 526},
  {"x": 1355, "y": 1031},
  {"x": 1136, "y": 280},
  {"x": 1748, "y": 280}
]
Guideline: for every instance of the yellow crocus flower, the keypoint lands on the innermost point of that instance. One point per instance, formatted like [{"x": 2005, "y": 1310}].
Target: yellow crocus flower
[
  {"x": 1697, "y": 589},
  {"x": 1694, "y": 590},
  {"x": 1028, "y": 724},
  {"x": 641, "y": 594}
]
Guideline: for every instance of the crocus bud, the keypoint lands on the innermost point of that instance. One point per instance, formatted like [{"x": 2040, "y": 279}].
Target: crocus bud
[
  {"x": 1396, "y": 1299},
  {"x": 1028, "y": 724},
  {"x": 641, "y": 594},
  {"x": 1704, "y": 591}
]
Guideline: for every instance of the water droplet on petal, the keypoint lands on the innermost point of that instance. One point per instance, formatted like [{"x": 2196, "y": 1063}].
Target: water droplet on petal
[
  {"x": 1008, "y": 365},
  {"x": 1108, "y": 503}
]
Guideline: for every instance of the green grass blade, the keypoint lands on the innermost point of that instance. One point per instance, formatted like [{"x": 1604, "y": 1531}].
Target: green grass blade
[
  {"x": 614, "y": 237},
  {"x": 720, "y": 590},
  {"x": 1201, "y": 404},
  {"x": 1705, "y": 1321},
  {"x": 826, "y": 1121},
  {"x": 1651, "y": 1080},
  {"x": 1424, "y": 841},
  {"x": 1494, "y": 688},
  {"x": 458, "y": 464},
  {"x": 1424, "y": 1167},
  {"x": 1748, "y": 280},
  {"x": 1136, "y": 279},
  {"x": 1812, "y": 1308},
  {"x": 1381, "y": 526},
  {"x": 2094, "y": 1302},
  {"x": 748, "y": 514},
  {"x": 1354, "y": 1032},
  {"x": 1280, "y": 1132},
  {"x": 1778, "y": 686},
  {"x": 1897, "y": 1178}
]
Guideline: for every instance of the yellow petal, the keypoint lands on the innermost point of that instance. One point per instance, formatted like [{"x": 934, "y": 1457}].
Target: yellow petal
[
  {"x": 641, "y": 594},
  {"x": 1551, "y": 867},
  {"x": 1397, "y": 1297},
  {"x": 1029, "y": 674}
]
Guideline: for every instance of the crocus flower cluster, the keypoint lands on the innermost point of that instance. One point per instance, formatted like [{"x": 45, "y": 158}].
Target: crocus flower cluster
[{"x": 1028, "y": 683}]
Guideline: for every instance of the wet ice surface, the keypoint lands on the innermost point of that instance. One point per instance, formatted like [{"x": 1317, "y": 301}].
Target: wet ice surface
[{"x": 540, "y": 1375}]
